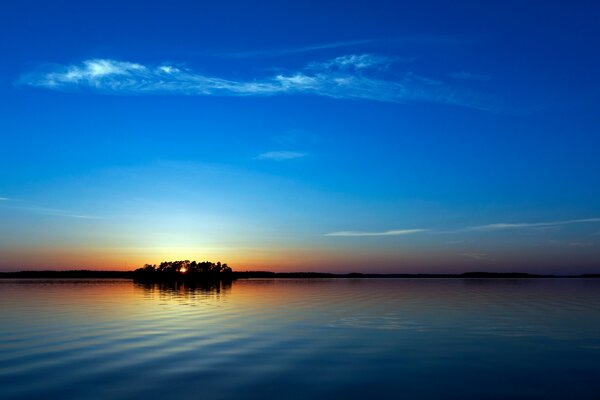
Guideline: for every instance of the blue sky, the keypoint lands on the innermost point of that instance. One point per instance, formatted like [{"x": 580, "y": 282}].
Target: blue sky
[{"x": 338, "y": 136}]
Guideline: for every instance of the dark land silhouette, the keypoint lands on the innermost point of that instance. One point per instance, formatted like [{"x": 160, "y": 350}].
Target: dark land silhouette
[
  {"x": 184, "y": 271},
  {"x": 191, "y": 271}
]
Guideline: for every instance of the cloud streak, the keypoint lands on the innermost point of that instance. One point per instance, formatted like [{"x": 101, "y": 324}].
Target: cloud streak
[
  {"x": 470, "y": 76},
  {"x": 280, "y": 155},
  {"x": 396, "y": 232},
  {"x": 359, "y": 77},
  {"x": 297, "y": 50},
  {"x": 477, "y": 228},
  {"x": 46, "y": 211},
  {"x": 419, "y": 39},
  {"x": 476, "y": 256},
  {"x": 521, "y": 225}
]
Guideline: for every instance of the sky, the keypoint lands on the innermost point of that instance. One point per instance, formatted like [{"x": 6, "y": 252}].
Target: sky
[{"x": 371, "y": 136}]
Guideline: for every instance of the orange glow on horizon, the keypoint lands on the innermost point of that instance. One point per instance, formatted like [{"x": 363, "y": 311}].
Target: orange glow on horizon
[{"x": 276, "y": 259}]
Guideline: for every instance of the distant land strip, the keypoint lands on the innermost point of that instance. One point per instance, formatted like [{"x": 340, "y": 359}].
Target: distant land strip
[{"x": 91, "y": 274}]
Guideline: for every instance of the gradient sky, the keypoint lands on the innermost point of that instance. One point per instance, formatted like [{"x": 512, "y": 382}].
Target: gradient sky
[{"x": 325, "y": 136}]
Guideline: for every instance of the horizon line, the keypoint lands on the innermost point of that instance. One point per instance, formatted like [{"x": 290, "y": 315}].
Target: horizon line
[{"x": 4, "y": 274}]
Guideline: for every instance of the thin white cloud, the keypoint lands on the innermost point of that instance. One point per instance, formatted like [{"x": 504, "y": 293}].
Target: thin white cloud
[
  {"x": 420, "y": 39},
  {"x": 519, "y": 225},
  {"x": 352, "y": 62},
  {"x": 477, "y": 228},
  {"x": 4, "y": 199},
  {"x": 396, "y": 232},
  {"x": 57, "y": 212},
  {"x": 346, "y": 77},
  {"x": 470, "y": 76},
  {"x": 582, "y": 244},
  {"x": 297, "y": 50},
  {"x": 46, "y": 211},
  {"x": 280, "y": 155},
  {"x": 476, "y": 256}
]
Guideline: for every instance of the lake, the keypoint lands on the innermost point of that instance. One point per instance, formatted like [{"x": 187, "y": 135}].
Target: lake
[{"x": 301, "y": 339}]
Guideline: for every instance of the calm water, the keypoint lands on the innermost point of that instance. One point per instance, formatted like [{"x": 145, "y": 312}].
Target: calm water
[{"x": 301, "y": 339}]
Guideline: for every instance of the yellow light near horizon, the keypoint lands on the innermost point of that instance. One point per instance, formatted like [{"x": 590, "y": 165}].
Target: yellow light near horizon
[{"x": 183, "y": 270}]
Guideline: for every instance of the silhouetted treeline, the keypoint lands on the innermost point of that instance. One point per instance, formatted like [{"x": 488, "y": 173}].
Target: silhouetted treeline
[{"x": 183, "y": 270}]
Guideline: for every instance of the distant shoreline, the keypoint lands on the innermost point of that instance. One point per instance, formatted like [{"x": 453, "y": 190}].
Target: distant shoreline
[{"x": 90, "y": 274}]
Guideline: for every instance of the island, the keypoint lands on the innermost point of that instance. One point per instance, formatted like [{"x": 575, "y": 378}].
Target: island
[{"x": 184, "y": 270}]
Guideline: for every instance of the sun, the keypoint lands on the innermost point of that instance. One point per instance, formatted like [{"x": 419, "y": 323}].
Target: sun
[{"x": 183, "y": 270}]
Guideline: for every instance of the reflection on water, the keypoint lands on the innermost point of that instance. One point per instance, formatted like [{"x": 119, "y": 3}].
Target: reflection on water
[
  {"x": 288, "y": 339},
  {"x": 184, "y": 290}
]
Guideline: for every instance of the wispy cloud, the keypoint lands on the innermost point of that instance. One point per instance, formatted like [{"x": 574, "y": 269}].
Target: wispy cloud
[
  {"x": 347, "y": 77},
  {"x": 411, "y": 40},
  {"x": 470, "y": 76},
  {"x": 396, "y": 232},
  {"x": 582, "y": 244},
  {"x": 4, "y": 199},
  {"x": 476, "y": 256},
  {"x": 352, "y": 62},
  {"x": 297, "y": 50},
  {"x": 62, "y": 213},
  {"x": 45, "y": 210},
  {"x": 477, "y": 228},
  {"x": 56, "y": 212},
  {"x": 280, "y": 155},
  {"x": 520, "y": 225}
]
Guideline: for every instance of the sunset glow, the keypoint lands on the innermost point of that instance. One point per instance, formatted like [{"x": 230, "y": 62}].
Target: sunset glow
[{"x": 372, "y": 144}]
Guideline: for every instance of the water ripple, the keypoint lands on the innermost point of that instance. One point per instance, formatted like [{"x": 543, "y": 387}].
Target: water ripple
[{"x": 298, "y": 339}]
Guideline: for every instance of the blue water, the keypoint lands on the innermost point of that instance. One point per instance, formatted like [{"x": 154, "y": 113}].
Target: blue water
[{"x": 301, "y": 339}]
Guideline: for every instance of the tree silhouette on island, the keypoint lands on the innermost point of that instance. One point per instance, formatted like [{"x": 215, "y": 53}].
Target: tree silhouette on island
[{"x": 184, "y": 270}]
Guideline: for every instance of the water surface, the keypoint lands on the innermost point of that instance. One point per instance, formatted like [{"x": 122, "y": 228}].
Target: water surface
[{"x": 300, "y": 339}]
